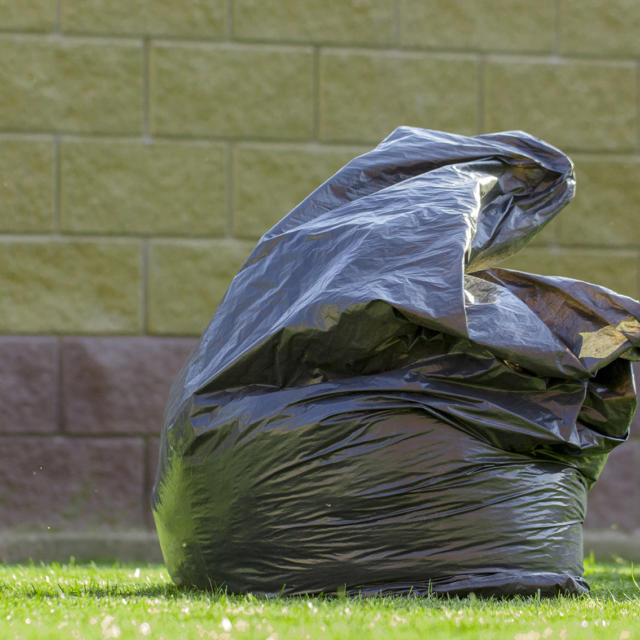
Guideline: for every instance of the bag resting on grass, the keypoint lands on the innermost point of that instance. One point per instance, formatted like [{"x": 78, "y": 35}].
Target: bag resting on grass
[{"x": 375, "y": 408}]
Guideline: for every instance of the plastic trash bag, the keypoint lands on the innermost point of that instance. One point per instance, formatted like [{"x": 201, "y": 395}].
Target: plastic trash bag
[{"x": 373, "y": 408}]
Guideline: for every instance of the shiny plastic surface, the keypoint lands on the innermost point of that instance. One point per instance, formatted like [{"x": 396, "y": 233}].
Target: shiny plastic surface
[{"x": 373, "y": 407}]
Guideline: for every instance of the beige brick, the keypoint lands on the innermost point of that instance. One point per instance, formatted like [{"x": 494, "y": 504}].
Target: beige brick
[
  {"x": 70, "y": 85},
  {"x": 70, "y": 287},
  {"x": 187, "y": 281},
  {"x": 364, "y": 21},
  {"x": 269, "y": 181},
  {"x": 519, "y": 25},
  {"x": 578, "y": 105},
  {"x": 365, "y": 96},
  {"x": 549, "y": 234},
  {"x": 600, "y": 28},
  {"x": 32, "y": 15},
  {"x": 605, "y": 210},
  {"x": 132, "y": 187},
  {"x": 231, "y": 90},
  {"x": 26, "y": 185},
  {"x": 196, "y": 18},
  {"x": 617, "y": 270}
]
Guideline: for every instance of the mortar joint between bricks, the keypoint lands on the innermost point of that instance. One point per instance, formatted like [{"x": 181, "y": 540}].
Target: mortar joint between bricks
[
  {"x": 396, "y": 23},
  {"x": 229, "y": 191},
  {"x": 638, "y": 105},
  {"x": 57, "y": 186},
  {"x": 59, "y": 388},
  {"x": 556, "y": 27},
  {"x": 57, "y": 25},
  {"x": 480, "y": 117},
  {"x": 144, "y": 285},
  {"x": 316, "y": 94},
  {"x": 146, "y": 53},
  {"x": 229, "y": 17}
]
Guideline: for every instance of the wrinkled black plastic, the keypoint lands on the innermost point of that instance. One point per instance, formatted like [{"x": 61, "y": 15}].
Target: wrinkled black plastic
[{"x": 371, "y": 408}]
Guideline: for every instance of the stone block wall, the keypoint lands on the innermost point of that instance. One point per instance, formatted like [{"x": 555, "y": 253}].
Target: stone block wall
[{"x": 146, "y": 145}]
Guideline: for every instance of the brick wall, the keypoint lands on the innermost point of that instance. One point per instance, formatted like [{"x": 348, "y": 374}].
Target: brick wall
[{"x": 144, "y": 146}]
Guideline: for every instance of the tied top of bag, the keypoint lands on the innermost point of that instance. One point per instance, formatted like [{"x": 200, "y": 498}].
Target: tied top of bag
[{"x": 412, "y": 224}]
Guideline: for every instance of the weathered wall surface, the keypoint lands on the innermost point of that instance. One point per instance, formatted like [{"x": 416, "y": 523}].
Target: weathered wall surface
[{"x": 144, "y": 147}]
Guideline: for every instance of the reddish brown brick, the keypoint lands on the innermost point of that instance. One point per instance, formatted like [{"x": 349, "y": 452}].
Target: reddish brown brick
[
  {"x": 60, "y": 483},
  {"x": 29, "y": 389},
  {"x": 119, "y": 385},
  {"x": 635, "y": 425},
  {"x": 613, "y": 501},
  {"x": 153, "y": 449}
]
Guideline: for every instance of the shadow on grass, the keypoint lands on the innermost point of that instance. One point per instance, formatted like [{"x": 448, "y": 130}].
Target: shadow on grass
[
  {"x": 608, "y": 583},
  {"x": 620, "y": 590},
  {"x": 57, "y": 592}
]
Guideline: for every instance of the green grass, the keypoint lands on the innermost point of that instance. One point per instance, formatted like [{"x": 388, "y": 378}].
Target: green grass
[{"x": 89, "y": 601}]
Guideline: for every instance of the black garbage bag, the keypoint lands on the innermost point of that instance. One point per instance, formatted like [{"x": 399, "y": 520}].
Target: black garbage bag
[{"x": 373, "y": 409}]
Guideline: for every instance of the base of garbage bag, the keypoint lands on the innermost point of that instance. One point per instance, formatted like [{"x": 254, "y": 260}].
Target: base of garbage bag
[{"x": 501, "y": 583}]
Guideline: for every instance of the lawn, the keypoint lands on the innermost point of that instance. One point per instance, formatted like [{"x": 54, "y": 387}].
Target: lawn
[{"x": 98, "y": 601}]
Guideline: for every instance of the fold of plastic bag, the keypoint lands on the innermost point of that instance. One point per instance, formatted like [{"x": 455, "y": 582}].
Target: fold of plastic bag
[{"x": 374, "y": 408}]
